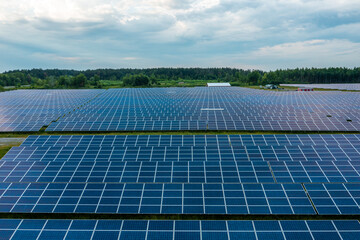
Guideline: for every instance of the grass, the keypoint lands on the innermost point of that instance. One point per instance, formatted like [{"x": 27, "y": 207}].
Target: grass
[{"x": 5, "y": 148}]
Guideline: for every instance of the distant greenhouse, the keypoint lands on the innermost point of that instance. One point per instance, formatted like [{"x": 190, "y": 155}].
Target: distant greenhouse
[{"x": 218, "y": 85}]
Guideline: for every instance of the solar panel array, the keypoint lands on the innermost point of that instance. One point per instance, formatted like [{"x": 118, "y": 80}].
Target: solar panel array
[
  {"x": 339, "y": 86},
  {"x": 191, "y": 140},
  {"x": 232, "y": 108},
  {"x": 183, "y": 174},
  {"x": 153, "y": 198},
  {"x": 284, "y": 175},
  {"x": 178, "y": 230},
  {"x": 30, "y": 110},
  {"x": 191, "y": 154},
  {"x": 137, "y": 172},
  {"x": 178, "y": 109}
]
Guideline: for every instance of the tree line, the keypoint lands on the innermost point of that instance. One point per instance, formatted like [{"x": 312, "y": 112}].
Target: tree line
[{"x": 57, "y": 78}]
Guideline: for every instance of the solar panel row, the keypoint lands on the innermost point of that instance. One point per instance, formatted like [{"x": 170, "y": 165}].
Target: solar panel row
[
  {"x": 138, "y": 125},
  {"x": 190, "y": 140},
  {"x": 178, "y": 109},
  {"x": 214, "y": 109},
  {"x": 30, "y": 110},
  {"x": 216, "y": 179},
  {"x": 115, "y": 229},
  {"x": 187, "y": 153},
  {"x": 316, "y": 171},
  {"x": 177, "y": 230},
  {"x": 138, "y": 172},
  {"x": 156, "y": 198},
  {"x": 181, "y": 172}
]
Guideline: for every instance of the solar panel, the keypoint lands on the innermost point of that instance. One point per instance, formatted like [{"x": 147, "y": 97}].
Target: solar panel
[
  {"x": 161, "y": 109},
  {"x": 187, "y": 153},
  {"x": 316, "y": 171},
  {"x": 169, "y": 229},
  {"x": 332, "y": 199},
  {"x": 30, "y": 110},
  {"x": 136, "y": 172},
  {"x": 154, "y": 198},
  {"x": 182, "y": 174},
  {"x": 191, "y": 140}
]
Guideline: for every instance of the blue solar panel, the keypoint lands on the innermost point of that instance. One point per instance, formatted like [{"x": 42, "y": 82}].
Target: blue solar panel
[
  {"x": 155, "y": 198},
  {"x": 178, "y": 109},
  {"x": 191, "y": 140},
  {"x": 137, "y": 172},
  {"x": 185, "y": 153},
  {"x": 30, "y": 110},
  {"x": 332, "y": 199},
  {"x": 316, "y": 171},
  {"x": 159, "y": 109},
  {"x": 152, "y": 229}
]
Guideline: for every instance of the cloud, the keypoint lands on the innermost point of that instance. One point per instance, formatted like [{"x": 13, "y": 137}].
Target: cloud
[
  {"x": 177, "y": 32},
  {"x": 313, "y": 53}
]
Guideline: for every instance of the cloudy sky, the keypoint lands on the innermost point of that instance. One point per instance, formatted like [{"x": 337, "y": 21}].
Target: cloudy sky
[{"x": 250, "y": 34}]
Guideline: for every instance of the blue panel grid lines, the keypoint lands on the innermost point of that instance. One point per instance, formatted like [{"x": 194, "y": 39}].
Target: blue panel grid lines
[
  {"x": 15, "y": 229},
  {"x": 191, "y": 140},
  {"x": 30, "y": 110},
  {"x": 332, "y": 199},
  {"x": 234, "y": 108},
  {"x": 316, "y": 171},
  {"x": 186, "y": 153},
  {"x": 136, "y": 172},
  {"x": 154, "y": 198}
]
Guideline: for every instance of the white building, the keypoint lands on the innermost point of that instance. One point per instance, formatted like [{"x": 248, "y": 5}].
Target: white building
[{"x": 218, "y": 85}]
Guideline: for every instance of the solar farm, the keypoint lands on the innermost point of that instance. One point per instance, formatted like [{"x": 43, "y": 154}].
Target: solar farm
[
  {"x": 339, "y": 86},
  {"x": 181, "y": 163}
]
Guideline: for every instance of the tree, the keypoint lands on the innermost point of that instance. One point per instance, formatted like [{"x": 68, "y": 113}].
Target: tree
[
  {"x": 136, "y": 80},
  {"x": 253, "y": 78},
  {"x": 79, "y": 80}
]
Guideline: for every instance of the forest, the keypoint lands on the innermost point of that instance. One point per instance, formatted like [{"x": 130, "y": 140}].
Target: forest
[{"x": 154, "y": 77}]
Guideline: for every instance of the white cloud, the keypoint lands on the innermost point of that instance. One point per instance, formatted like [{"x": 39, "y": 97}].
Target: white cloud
[
  {"x": 181, "y": 32},
  {"x": 313, "y": 53}
]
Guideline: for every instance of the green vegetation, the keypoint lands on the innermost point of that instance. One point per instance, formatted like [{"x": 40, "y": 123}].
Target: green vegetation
[
  {"x": 172, "y": 77},
  {"x": 4, "y": 150}
]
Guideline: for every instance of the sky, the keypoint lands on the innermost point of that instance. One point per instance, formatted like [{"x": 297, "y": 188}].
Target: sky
[{"x": 247, "y": 34}]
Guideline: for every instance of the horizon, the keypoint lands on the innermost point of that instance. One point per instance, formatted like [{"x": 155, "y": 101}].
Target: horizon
[{"x": 94, "y": 69}]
